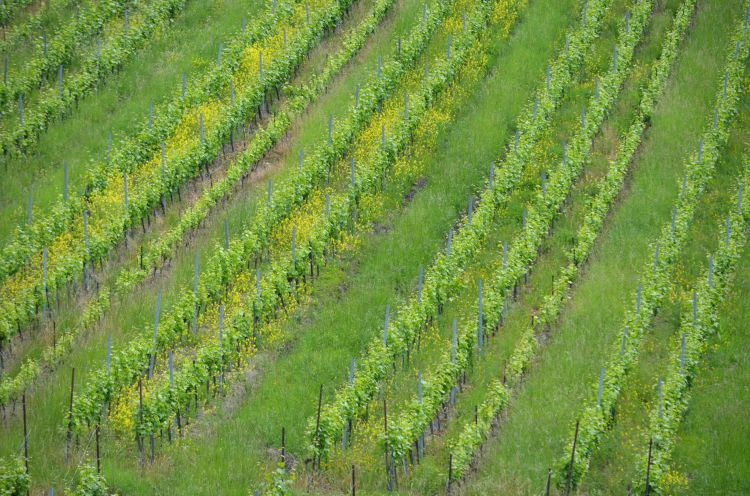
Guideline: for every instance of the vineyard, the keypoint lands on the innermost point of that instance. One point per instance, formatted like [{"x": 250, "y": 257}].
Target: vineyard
[{"x": 341, "y": 247}]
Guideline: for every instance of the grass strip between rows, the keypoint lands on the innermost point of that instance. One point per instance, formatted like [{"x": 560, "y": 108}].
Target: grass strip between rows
[
  {"x": 440, "y": 279},
  {"x": 498, "y": 394},
  {"x": 698, "y": 325},
  {"x": 597, "y": 415}
]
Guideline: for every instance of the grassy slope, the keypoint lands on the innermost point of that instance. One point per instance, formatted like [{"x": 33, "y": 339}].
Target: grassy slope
[
  {"x": 507, "y": 225},
  {"x": 21, "y": 55},
  {"x": 350, "y": 297},
  {"x": 712, "y": 455},
  {"x": 155, "y": 73},
  {"x": 540, "y": 418},
  {"x": 347, "y": 306},
  {"x": 614, "y": 466},
  {"x": 432, "y": 472},
  {"x": 50, "y": 20},
  {"x": 276, "y": 166},
  {"x": 131, "y": 316}
]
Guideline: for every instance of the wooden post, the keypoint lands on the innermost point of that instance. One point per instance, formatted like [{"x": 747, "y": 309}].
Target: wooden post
[
  {"x": 648, "y": 467},
  {"x": 614, "y": 60},
  {"x": 98, "y": 455},
  {"x": 283, "y": 446},
  {"x": 354, "y": 482},
  {"x": 25, "y": 436},
  {"x": 729, "y": 231},
  {"x": 70, "y": 415},
  {"x": 549, "y": 480},
  {"x": 140, "y": 417},
  {"x": 572, "y": 459},
  {"x": 638, "y": 300},
  {"x": 317, "y": 424},
  {"x": 389, "y": 483}
]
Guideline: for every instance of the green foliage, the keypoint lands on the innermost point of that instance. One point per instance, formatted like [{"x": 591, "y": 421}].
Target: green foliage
[
  {"x": 602, "y": 203},
  {"x": 10, "y": 8},
  {"x": 542, "y": 213},
  {"x": 87, "y": 482},
  {"x": 212, "y": 359},
  {"x": 665, "y": 421},
  {"x": 227, "y": 264},
  {"x": 60, "y": 50},
  {"x": 279, "y": 484},
  {"x": 595, "y": 419},
  {"x": 163, "y": 248},
  {"x": 14, "y": 481},
  {"x": 441, "y": 278},
  {"x": 475, "y": 432},
  {"x": 133, "y": 154},
  {"x": 51, "y": 104}
]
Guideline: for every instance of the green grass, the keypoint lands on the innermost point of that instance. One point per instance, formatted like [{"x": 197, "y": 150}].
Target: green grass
[
  {"x": 20, "y": 56},
  {"x": 349, "y": 300},
  {"x": 133, "y": 315},
  {"x": 277, "y": 165},
  {"x": 50, "y": 20},
  {"x": 711, "y": 455},
  {"x": 540, "y": 418},
  {"x": 507, "y": 224},
  {"x": 432, "y": 472},
  {"x": 155, "y": 73},
  {"x": 230, "y": 447},
  {"x": 614, "y": 465}
]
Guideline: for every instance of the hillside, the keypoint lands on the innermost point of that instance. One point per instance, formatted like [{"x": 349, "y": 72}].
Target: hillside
[{"x": 374, "y": 247}]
